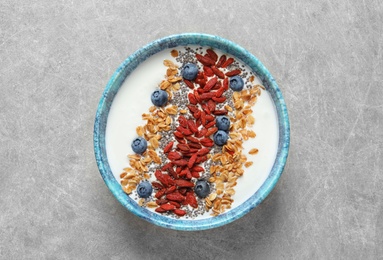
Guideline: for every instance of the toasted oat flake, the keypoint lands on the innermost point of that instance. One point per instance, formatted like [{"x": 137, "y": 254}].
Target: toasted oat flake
[
  {"x": 248, "y": 164},
  {"x": 174, "y": 53},
  {"x": 253, "y": 151}
]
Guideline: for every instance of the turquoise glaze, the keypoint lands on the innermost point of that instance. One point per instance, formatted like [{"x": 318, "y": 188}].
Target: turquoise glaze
[{"x": 115, "y": 83}]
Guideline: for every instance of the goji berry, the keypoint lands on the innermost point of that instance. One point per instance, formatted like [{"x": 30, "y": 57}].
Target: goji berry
[
  {"x": 212, "y": 54},
  {"x": 233, "y": 73},
  {"x": 221, "y": 61},
  {"x": 219, "y": 99},
  {"x": 189, "y": 84},
  {"x": 204, "y": 60},
  {"x": 211, "y": 131},
  {"x": 160, "y": 193},
  {"x": 161, "y": 201},
  {"x": 207, "y": 142},
  {"x": 202, "y": 151},
  {"x": 192, "y": 160},
  {"x": 198, "y": 168},
  {"x": 217, "y": 72},
  {"x": 181, "y": 162},
  {"x": 210, "y": 84},
  {"x": 192, "y": 126},
  {"x": 160, "y": 210},
  {"x": 210, "y": 124},
  {"x": 208, "y": 71},
  {"x": 168, "y": 147},
  {"x": 167, "y": 207},
  {"x": 176, "y": 204},
  {"x": 179, "y": 212},
  {"x": 192, "y": 99},
  {"x": 178, "y": 197},
  {"x": 172, "y": 156},
  {"x": 227, "y": 62},
  {"x": 220, "y": 112},
  {"x": 184, "y": 183},
  {"x": 183, "y": 147}
]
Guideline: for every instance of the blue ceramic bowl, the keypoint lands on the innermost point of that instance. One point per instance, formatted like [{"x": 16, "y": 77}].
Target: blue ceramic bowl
[{"x": 115, "y": 83}]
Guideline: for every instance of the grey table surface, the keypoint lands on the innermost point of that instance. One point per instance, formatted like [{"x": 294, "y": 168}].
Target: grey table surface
[{"x": 55, "y": 60}]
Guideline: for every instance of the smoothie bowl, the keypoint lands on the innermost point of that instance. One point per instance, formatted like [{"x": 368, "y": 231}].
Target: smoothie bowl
[{"x": 191, "y": 132}]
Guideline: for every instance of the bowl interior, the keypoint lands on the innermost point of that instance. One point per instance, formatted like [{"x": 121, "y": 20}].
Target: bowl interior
[{"x": 114, "y": 85}]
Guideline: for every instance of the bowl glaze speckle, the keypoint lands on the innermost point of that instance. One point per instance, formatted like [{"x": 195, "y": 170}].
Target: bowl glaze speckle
[{"x": 115, "y": 83}]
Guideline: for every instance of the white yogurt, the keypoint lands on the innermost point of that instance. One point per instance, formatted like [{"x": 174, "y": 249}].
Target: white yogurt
[{"x": 133, "y": 99}]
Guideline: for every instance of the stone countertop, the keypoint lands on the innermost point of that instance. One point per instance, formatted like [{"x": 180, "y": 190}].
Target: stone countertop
[{"x": 55, "y": 60}]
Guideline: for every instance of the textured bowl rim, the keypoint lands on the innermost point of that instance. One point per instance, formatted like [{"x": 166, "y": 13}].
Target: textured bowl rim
[{"x": 111, "y": 90}]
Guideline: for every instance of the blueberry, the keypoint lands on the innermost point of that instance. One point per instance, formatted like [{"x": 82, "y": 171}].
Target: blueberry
[
  {"x": 220, "y": 138},
  {"x": 144, "y": 189},
  {"x": 189, "y": 71},
  {"x": 223, "y": 123},
  {"x": 159, "y": 98},
  {"x": 139, "y": 145},
  {"x": 202, "y": 188},
  {"x": 236, "y": 83}
]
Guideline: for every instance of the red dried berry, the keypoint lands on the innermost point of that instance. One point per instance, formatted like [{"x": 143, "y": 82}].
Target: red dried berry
[
  {"x": 172, "y": 156},
  {"x": 201, "y": 152},
  {"x": 198, "y": 168},
  {"x": 183, "y": 147},
  {"x": 183, "y": 121},
  {"x": 195, "y": 174},
  {"x": 192, "y": 109},
  {"x": 221, "y": 61},
  {"x": 219, "y": 99},
  {"x": 212, "y": 54},
  {"x": 218, "y": 72},
  {"x": 194, "y": 145},
  {"x": 211, "y": 105},
  {"x": 201, "y": 159},
  {"x": 167, "y": 207},
  {"x": 184, "y": 183},
  {"x": 206, "y": 96},
  {"x": 179, "y": 212},
  {"x": 168, "y": 147},
  {"x": 178, "y": 134},
  {"x": 210, "y": 124},
  {"x": 176, "y": 204},
  {"x": 204, "y": 60},
  {"x": 172, "y": 172},
  {"x": 201, "y": 132},
  {"x": 209, "y": 117},
  {"x": 227, "y": 62},
  {"x": 225, "y": 84},
  {"x": 160, "y": 210},
  {"x": 175, "y": 197},
  {"x": 191, "y": 200},
  {"x": 208, "y": 71},
  {"x": 220, "y": 112},
  {"x": 192, "y": 139},
  {"x": 203, "y": 118},
  {"x": 210, "y": 84},
  {"x": 157, "y": 185},
  {"x": 189, "y": 84},
  {"x": 192, "y": 99},
  {"x": 181, "y": 162},
  {"x": 233, "y": 73},
  {"x": 211, "y": 131},
  {"x": 192, "y": 126},
  {"x": 161, "y": 201},
  {"x": 219, "y": 92},
  {"x": 207, "y": 142},
  {"x": 160, "y": 193},
  {"x": 192, "y": 160}
]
